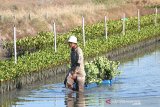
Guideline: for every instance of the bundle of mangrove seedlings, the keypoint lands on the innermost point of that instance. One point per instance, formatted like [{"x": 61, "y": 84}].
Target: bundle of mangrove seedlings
[{"x": 101, "y": 69}]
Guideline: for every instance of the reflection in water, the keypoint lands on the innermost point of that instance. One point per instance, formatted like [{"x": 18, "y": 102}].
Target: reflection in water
[
  {"x": 77, "y": 101},
  {"x": 10, "y": 98},
  {"x": 131, "y": 56}
]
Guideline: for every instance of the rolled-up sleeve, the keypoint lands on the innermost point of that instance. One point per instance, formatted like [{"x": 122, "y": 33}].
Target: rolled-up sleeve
[
  {"x": 80, "y": 59},
  {"x": 80, "y": 56}
]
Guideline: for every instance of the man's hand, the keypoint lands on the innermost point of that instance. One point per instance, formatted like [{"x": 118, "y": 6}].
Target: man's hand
[{"x": 74, "y": 76}]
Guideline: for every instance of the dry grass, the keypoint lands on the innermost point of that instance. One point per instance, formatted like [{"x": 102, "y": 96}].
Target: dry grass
[
  {"x": 145, "y": 2},
  {"x": 33, "y": 16}
]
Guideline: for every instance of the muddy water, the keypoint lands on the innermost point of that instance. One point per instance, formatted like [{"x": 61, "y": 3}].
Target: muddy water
[{"x": 138, "y": 85}]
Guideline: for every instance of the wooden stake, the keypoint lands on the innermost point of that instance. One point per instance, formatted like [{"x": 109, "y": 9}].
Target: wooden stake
[
  {"x": 29, "y": 16},
  {"x": 83, "y": 31},
  {"x": 106, "y": 27},
  {"x": 156, "y": 12},
  {"x": 139, "y": 27},
  {"x": 124, "y": 24},
  {"x": 15, "y": 48},
  {"x": 55, "y": 37}
]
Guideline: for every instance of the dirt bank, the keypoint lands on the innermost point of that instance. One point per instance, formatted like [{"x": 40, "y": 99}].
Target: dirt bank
[{"x": 31, "y": 17}]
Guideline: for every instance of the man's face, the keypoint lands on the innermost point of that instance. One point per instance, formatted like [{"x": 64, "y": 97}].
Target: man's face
[{"x": 71, "y": 44}]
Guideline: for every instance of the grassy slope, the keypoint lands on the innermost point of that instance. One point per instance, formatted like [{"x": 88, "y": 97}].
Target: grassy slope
[
  {"x": 63, "y": 12},
  {"x": 66, "y": 13}
]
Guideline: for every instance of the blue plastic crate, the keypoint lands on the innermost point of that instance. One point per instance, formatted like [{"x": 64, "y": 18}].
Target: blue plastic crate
[{"x": 104, "y": 82}]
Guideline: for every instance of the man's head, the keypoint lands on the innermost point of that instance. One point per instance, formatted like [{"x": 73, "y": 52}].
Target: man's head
[{"x": 72, "y": 41}]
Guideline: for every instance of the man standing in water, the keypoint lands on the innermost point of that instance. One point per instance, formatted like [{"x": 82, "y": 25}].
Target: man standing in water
[{"x": 77, "y": 72}]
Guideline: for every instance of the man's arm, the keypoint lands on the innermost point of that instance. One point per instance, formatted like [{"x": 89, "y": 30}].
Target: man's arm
[{"x": 80, "y": 59}]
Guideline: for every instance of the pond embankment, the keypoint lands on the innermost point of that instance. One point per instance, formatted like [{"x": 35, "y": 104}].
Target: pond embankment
[
  {"x": 129, "y": 50},
  {"x": 43, "y": 75}
]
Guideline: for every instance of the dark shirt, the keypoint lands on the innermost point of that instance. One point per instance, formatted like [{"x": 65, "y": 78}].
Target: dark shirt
[{"x": 74, "y": 59}]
